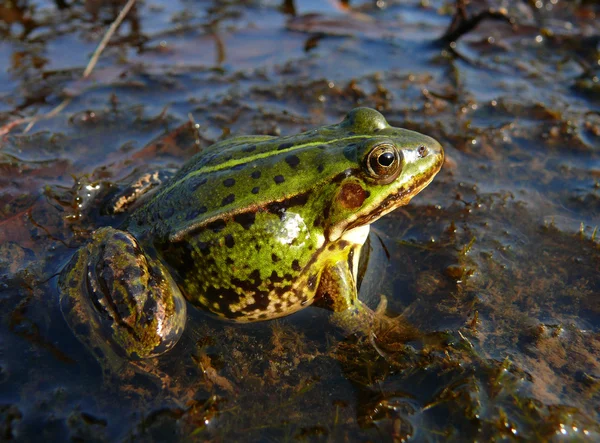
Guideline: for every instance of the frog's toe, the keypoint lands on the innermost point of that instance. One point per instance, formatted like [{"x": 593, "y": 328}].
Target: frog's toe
[
  {"x": 382, "y": 305},
  {"x": 117, "y": 300}
]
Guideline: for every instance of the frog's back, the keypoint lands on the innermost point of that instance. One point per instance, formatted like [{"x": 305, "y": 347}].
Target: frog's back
[{"x": 245, "y": 175}]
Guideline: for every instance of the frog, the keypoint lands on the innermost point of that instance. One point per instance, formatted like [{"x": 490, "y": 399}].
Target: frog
[{"x": 251, "y": 228}]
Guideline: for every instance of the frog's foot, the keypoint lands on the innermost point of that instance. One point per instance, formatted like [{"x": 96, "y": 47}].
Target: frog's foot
[
  {"x": 358, "y": 319},
  {"x": 137, "y": 191},
  {"x": 376, "y": 325},
  {"x": 119, "y": 302},
  {"x": 382, "y": 305}
]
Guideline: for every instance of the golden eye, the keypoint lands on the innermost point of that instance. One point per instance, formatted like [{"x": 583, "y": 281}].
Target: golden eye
[{"x": 384, "y": 162}]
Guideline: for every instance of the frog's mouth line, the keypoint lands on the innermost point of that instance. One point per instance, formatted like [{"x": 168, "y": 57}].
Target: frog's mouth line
[{"x": 390, "y": 203}]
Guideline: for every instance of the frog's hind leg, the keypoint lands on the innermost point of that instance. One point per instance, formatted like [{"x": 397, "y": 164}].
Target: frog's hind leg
[
  {"x": 138, "y": 190},
  {"x": 119, "y": 302}
]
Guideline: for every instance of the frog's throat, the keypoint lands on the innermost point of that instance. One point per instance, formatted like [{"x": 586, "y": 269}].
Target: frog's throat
[{"x": 357, "y": 236}]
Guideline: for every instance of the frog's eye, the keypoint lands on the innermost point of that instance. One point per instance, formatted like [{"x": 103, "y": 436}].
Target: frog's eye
[{"x": 384, "y": 162}]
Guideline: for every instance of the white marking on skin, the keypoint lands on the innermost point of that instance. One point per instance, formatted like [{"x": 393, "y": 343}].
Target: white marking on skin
[
  {"x": 320, "y": 240},
  {"x": 338, "y": 231},
  {"x": 247, "y": 301},
  {"x": 358, "y": 235},
  {"x": 411, "y": 156},
  {"x": 292, "y": 225}
]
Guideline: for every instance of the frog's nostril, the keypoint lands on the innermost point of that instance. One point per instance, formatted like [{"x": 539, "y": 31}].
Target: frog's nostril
[{"x": 423, "y": 151}]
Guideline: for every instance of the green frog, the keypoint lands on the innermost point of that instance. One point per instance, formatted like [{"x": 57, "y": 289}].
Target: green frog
[{"x": 251, "y": 228}]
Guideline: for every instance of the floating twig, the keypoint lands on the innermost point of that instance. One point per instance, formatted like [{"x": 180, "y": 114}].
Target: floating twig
[
  {"x": 461, "y": 24},
  {"x": 86, "y": 73}
]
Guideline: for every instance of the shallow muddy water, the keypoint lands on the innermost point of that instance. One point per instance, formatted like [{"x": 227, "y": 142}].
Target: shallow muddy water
[{"x": 496, "y": 264}]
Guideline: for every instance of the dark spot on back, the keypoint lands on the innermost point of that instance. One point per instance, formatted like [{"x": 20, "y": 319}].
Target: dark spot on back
[
  {"x": 249, "y": 148},
  {"x": 275, "y": 278},
  {"x": 321, "y": 168},
  {"x": 292, "y": 160},
  {"x": 255, "y": 190},
  {"x": 342, "y": 244},
  {"x": 275, "y": 258},
  {"x": 238, "y": 167},
  {"x": 279, "y": 179},
  {"x": 284, "y": 146},
  {"x": 229, "y": 241},
  {"x": 228, "y": 200},
  {"x": 229, "y": 182},
  {"x": 196, "y": 182},
  {"x": 331, "y": 247},
  {"x": 326, "y": 212},
  {"x": 255, "y": 275},
  {"x": 246, "y": 219},
  {"x": 149, "y": 308},
  {"x": 217, "y": 226},
  {"x": 279, "y": 208},
  {"x": 195, "y": 213},
  {"x": 255, "y": 174},
  {"x": 296, "y": 266},
  {"x": 224, "y": 297}
]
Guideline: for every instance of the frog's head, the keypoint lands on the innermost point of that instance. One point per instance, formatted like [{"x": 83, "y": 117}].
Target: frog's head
[{"x": 393, "y": 165}]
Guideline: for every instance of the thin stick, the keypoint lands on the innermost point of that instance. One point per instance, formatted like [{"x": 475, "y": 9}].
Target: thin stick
[
  {"x": 49, "y": 114},
  {"x": 107, "y": 37},
  {"x": 88, "y": 70}
]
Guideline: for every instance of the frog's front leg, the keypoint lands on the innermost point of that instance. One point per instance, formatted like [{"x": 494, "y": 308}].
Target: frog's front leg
[
  {"x": 338, "y": 291},
  {"x": 120, "y": 302}
]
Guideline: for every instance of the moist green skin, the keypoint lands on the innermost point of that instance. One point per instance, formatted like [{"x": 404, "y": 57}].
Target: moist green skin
[{"x": 255, "y": 228}]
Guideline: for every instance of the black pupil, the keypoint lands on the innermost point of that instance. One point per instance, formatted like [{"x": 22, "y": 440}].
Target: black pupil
[{"x": 386, "y": 159}]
